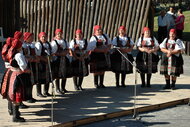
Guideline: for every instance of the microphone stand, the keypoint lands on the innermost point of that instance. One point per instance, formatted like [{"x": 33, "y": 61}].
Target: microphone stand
[
  {"x": 53, "y": 86},
  {"x": 135, "y": 86}
]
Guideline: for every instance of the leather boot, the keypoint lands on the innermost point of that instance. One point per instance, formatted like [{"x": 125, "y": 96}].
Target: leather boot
[
  {"x": 75, "y": 83},
  {"x": 80, "y": 83},
  {"x": 57, "y": 86},
  {"x": 38, "y": 88},
  {"x": 10, "y": 108},
  {"x": 148, "y": 80},
  {"x": 46, "y": 89},
  {"x": 102, "y": 81},
  {"x": 96, "y": 81},
  {"x": 123, "y": 80},
  {"x": 63, "y": 84},
  {"x": 117, "y": 79},
  {"x": 173, "y": 85},
  {"x": 167, "y": 86},
  {"x": 16, "y": 116},
  {"x": 142, "y": 79}
]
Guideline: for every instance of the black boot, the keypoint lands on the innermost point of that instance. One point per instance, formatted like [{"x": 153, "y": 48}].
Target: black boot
[
  {"x": 75, "y": 83},
  {"x": 63, "y": 84},
  {"x": 46, "y": 89},
  {"x": 38, "y": 88},
  {"x": 123, "y": 80},
  {"x": 148, "y": 80},
  {"x": 96, "y": 81},
  {"x": 167, "y": 86},
  {"x": 10, "y": 108},
  {"x": 57, "y": 86},
  {"x": 142, "y": 79},
  {"x": 80, "y": 83},
  {"x": 102, "y": 81},
  {"x": 173, "y": 84},
  {"x": 16, "y": 116},
  {"x": 117, "y": 79}
]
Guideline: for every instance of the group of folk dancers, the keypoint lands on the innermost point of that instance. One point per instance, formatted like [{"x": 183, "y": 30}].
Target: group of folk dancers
[{"x": 27, "y": 62}]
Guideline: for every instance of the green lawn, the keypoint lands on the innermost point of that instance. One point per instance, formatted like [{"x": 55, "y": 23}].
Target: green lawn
[{"x": 186, "y": 32}]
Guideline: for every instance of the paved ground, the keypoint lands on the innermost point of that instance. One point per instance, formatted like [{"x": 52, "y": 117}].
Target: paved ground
[
  {"x": 92, "y": 102},
  {"x": 172, "y": 117}
]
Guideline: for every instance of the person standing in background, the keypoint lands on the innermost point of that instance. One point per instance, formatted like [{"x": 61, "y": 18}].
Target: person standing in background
[
  {"x": 179, "y": 22},
  {"x": 162, "y": 26}
]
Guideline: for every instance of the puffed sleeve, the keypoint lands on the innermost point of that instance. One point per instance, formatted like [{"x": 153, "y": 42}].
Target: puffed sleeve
[
  {"x": 71, "y": 45},
  {"x": 163, "y": 44},
  {"x": 53, "y": 47},
  {"x": 92, "y": 44},
  {"x": 21, "y": 61},
  {"x": 114, "y": 41},
  {"x": 109, "y": 40},
  {"x": 131, "y": 42},
  {"x": 180, "y": 45},
  {"x": 156, "y": 42},
  {"x": 38, "y": 48},
  {"x": 139, "y": 42}
]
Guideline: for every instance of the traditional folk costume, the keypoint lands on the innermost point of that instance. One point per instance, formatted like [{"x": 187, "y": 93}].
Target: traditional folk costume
[
  {"x": 147, "y": 62},
  {"x": 80, "y": 67},
  {"x": 60, "y": 63},
  {"x": 119, "y": 65},
  {"x": 42, "y": 50},
  {"x": 15, "y": 80},
  {"x": 28, "y": 49},
  {"x": 99, "y": 61},
  {"x": 172, "y": 65}
]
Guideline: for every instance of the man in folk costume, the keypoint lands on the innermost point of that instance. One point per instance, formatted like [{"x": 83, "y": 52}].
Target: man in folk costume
[
  {"x": 78, "y": 47},
  {"x": 100, "y": 45},
  {"x": 147, "y": 58},
  {"x": 119, "y": 65},
  {"x": 60, "y": 63},
  {"x": 15, "y": 79},
  {"x": 43, "y": 48},
  {"x": 28, "y": 49},
  {"x": 172, "y": 60}
]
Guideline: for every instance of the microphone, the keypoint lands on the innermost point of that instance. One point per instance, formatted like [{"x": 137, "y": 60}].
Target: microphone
[{"x": 47, "y": 52}]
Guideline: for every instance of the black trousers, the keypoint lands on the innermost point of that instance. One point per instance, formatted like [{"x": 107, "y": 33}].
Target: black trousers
[
  {"x": 179, "y": 34},
  {"x": 162, "y": 33}
]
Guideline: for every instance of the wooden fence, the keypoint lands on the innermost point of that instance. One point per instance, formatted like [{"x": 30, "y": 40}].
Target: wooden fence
[{"x": 69, "y": 15}]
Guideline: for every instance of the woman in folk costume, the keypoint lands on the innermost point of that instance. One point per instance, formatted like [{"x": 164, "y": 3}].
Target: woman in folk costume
[
  {"x": 15, "y": 79},
  {"x": 43, "y": 48},
  {"x": 172, "y": 60},
  {"x": 119, "y": 65},
  {"x": 147, "y": 58},
  {"x": 78, "y": 47},
  {"x": 28, "y": 49},
  {"x": 100, "y": 45},
  {"x": 60, "y": 63}
]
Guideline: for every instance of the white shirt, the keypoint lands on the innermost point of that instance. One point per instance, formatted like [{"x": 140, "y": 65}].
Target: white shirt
[
  {"x": 179, "y": 45},
  {"x": 148, "y": 42},
  {"x": 123, "y": 40},
  {"x": 38, "y": 48},
  {"x": 62, "y": 43},
  {"x": 162, "y": 21},
  {"x": 21, "y": 61},
  {"x": 81, "y": 44},
  {"x": 93, "y": 41}
]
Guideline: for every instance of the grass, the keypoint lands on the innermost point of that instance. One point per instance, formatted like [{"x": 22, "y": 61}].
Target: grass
[{"x": 186, "y": 32}]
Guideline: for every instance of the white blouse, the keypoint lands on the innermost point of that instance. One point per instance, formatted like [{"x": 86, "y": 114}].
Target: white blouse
[
  {"x": 20, "y": 58},
  {"x": 148, "y": 42},
  {"x": 179, "y": 45},
  {"x": 62, "y": 43},
  {"x": 93, "y": 41},
  {"x": 38, "y": 48},
  {"x": 81, "y": 44}
]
